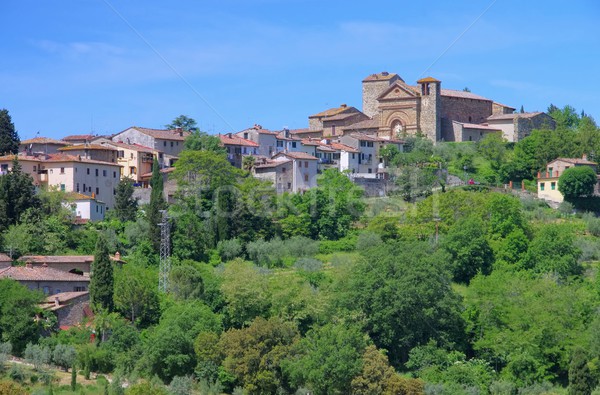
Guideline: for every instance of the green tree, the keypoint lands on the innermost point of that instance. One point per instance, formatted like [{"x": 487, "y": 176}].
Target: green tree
[
  {"x": 327, "y": 359},
  {"x": 553, "y": 250},
  {"x": 18, "y": 306},
  {"x": 64, "y": 356},
  {"x": 101, "y": 279},
  {"x": 9, "y": 138},
  {"x": 184, "y": 122},
  {"x": 17, "y": 195},
  {"x": 405, "y": 297},
  {"x": 201, "y": 141},
  {"x": 126, "y": 205},
  {"x": 493, "y": 148},
  {"x": 253, "y": 354},
  {"x": 248, "y": 162},
  {"x": 470, "y": 252},
  {"x": 136, "y": 295},
  {"x": 185, "y": 282},
  {"x": 577, "y": 182},
  {"x": 581, "y": 381},
  {"x": 566, "y": 117},
  {"x": 157, "y": 203}
]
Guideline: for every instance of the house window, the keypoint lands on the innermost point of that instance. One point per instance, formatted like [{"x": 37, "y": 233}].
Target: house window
[
  {"x": 353, "y": 156},
  {"x": 289, "y": 185},
  {"x": 103, "y": 173},
  {"x": 306, "y": 164},
  {"x": 5, "y": 167},
  {"x": 171, "y": 144},
  {"x": 97, "y": 191},
  {"x": 120, "y": 154},
  {"x": 164, "y": 143},
  {"x": 114, "y": 174},
  {"x": 132, "y": 170},
  {"x": 363, "y": 143},
  {"x": 370, "y": 170},
  {"x": 553, "y": 185},
  {"x": 84, "y": 188},
  {"x": 77, "y": 188},
  {"x": 542, "y": 186},
  {"x": 306, "y": 178},
  {"x": 62, "y": 187},
  {"x": 62, "y": 170},
  {"x": 46, "y": 290},
  {"x": 279, "y": 143},
  {"x": 96, "y": 208},
  {"x": 283, "y": 169},
  {"x": 79, "y": 289},
  {"x": 370, "y": 144},
  {"x": 88, "y": 170},
  {"x": 293, "y": 144},
  {"x": 96, "y": 172}
]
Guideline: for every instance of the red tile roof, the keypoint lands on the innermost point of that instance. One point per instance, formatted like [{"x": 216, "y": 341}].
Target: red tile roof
[
  {"x": 334, "y": 111},
  {"x": 65, "y": 296},
  {"x": 344, "y": 147},
  {"x": 366, "y": 124},
  {"x": 43, "y": 140},
  {"x": 478, "y": 126},
  {"x": 5, "y": 258},
  {"x": 133, "y": 147},
  {"x": 383, "y": 76},
  {"x": 461, "y": 95},
  {"x": 77, "y": 137},
  {"x": 40, "y": 273},
  {"x": 272, "y": 163},
  {"x": 77, "y": 147},
  {"x": 296, "y": 155},
  {"x": 57, "y": 258},
  {"x": 231, "y": 139},
  {"x": 50, "y": 158},
  {"x": 162, "y": 134},
  {"x": 427, "y": 79},
  {"x": 576, "y": 161},
  {"x": 504, "y": 105},
  {"x": 513, "y": 116}
]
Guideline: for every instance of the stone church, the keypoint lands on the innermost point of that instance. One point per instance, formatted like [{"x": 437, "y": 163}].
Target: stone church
[{"x": 392, "y": 108}]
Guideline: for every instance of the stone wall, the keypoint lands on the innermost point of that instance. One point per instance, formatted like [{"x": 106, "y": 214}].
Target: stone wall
[
  {"x": 371, "y": 90},
  {"x": 73, "y": 313},
  {"x": 429, "y": 118},
  {"x": 524, "y": 125},
  {"x": 57, "y": 286},
  {"x": 462, "y": 110},
  {"x": 374, "y": 187}
]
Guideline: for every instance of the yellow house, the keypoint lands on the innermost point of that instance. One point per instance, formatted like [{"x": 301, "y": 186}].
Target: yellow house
[
  {"x": 547, "y": 181},
  {"x": 136, "y": 160}
]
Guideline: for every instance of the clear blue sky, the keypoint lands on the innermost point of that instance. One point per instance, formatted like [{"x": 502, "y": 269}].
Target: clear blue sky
[{"x": 81, "y": 66}]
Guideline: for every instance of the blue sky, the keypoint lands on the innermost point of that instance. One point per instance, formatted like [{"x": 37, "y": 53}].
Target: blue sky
[{"x": 81, "y": 66}]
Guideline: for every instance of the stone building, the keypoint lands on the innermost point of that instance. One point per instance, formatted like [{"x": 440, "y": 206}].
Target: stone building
[
  {"x": 50, "y": 281},
  {"x": 70, "y": 308},
  {"x": 516, "y": 127},
  {"x": 392, "y": 108}
]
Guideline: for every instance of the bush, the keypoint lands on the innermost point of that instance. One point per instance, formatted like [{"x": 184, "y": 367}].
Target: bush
[
  {"x": 5, "y": 350},
  {"x": 10, "y": 388},
  {"x": 593, "y": 226},
  {"x": 64, "y": 356},
  {"x": 300, "y": 246},
  {"x": 229, "y": 249},
  {"x": 181, "y": 385},
  {"x": 346, "y": 244},
  {"x": 308, "y": 264},
  {"x": 37, "y": 355},
  {"x": 368, "y": 240},
  {"x": 577, "y": 182},
  {"x": 266, "y": 253}
]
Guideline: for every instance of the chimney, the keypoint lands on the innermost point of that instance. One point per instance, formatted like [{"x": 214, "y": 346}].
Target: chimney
[
  {"x": 344, "y": 105},
  {"x": 56, "y": 301},
  {"x": 385, "y": 73},
  {"x": 584, "y": 157},
  {"x": 230, "y": 135},
  {"x": 28, "y": 265},
  {"x": 44, "y": 264}
]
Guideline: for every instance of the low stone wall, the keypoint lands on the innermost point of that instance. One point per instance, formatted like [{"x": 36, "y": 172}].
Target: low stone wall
[{"x": 374, "y": 187}]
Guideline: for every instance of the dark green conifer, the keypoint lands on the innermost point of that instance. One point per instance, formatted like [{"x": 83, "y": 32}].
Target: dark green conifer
[{"x": 102, "y": 280}]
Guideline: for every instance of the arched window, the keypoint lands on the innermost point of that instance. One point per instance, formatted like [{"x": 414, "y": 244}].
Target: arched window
[{"x": 397, "y": 127}]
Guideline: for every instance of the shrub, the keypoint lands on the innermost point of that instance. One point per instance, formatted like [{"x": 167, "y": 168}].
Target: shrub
[
  {"x": 64, "y": 356},
  {"x": 368, "y": 240},
  {"x": 300, "y": 246},
  {"x": 37, "y": 355},
  {"x": 229, "y": 249},
  {"x": 181, "y": 385}
]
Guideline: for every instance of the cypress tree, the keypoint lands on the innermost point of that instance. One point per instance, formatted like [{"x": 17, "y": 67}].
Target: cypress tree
[
  {"x": 17, "y": 194},
  {"x": 157, "y": 203},
  {"x": 102, "y": 280},
  {"x": 581, "y": 381},
  {"x": 73, "y": 377},
  {"x": 125, "y": 204},
  {"x": 9, "y": 138}
]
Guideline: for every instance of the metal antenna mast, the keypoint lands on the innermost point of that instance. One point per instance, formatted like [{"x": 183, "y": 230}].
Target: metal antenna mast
[{"x": 165, "y": 253}]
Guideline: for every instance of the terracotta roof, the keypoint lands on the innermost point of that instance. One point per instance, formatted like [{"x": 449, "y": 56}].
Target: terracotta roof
[
  {"x": 79, "y": 137},
  {"x": 367, "y": 137},
  {"x": 49, "y": 158},
  {"x": 163, "y": 134},
  {"x": 427, "y": 79},
  {"x": 232, "y": 139},
  {"x": 513, "y": 116},
  {"x": 57, "y": 258},
  {"x": 272, "y": 163},
  {"x": 310, "y": 142},
  {"x": 477, "y": 126},
  {"x": 43, "y": 140},
  {"x": 343, "y": 147},
  {"x": 165, "y": 170},
  {"x": 504, "y": 105},
  {"x": 65, "y": 296},
  {"x": 576, "y": 161},
  {"x": 133, "y": 147},
  {"x": 366, "y": 124},
  {"x": 333, "y": 111},
  {"x": 77, "y": 147},
  {"x": 341, "y": 117},
  {"x": 78, "y": 196},
  {"x": 462, "y": 94},
  {"x": 5, "y": 258},
  {"x": 258, "y": 129},
  {"x": 325, "y": 148},
  {"x": 296, "y": 155},
  {"x": 383, "y": 76},
  {"x": 304, "y": 131},
  {"x": 43, "y": 273}
]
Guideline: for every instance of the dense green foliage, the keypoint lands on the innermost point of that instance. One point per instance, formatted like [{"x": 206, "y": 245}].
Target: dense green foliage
[
  {"x": 438, "y": 290},
  {"x": 9, "y": 138},
  {"x": 577, "y": 182},
  {"x": 126, "y": 206}
]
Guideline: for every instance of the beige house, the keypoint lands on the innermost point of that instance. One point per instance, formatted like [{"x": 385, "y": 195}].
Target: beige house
[
  {"x": 547, "y": 181},
  {"x": 237, "y": 148},
  {"x": 70, "y": 173},
  {"x": 136, "y": 160},
  {"x": 278, "y": 172},
  {"x": 92, "y": 152},
  {"x": 169, "y": 142},
  {"x": 304, "y": 169},
  {"x": 79, "y": 138}
]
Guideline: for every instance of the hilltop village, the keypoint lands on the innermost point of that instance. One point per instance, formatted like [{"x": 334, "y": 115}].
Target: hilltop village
[{"x": 89, "y": 167}]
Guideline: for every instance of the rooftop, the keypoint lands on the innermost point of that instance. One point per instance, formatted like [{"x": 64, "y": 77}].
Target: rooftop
[
  {"x": 462, "y": 95},
  {"x": 366, "y": 124},
  {"x": 513, "y": 116},
  {"x": 50, "y": 158},
  {"x": 43, "y": 140},
  {"x": 162, "y": 134},
  {"x": 576, "y": 161},
  {"x": 77, "y": 137},
  {"x": 232, "y": 139},
  {"x": 427, "y": 79},
  {"x": 77, "y": 147},
  {"x": 334, "y": 111},
  {"x": 383, "y": 76},
  {"x": 271, "y": 164},
  {"x": 477, "y": 126},
  {"x": 133, "y": 147},
  {"x": 296, "y": 155},
  {"x": 40, "y": 273}
]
